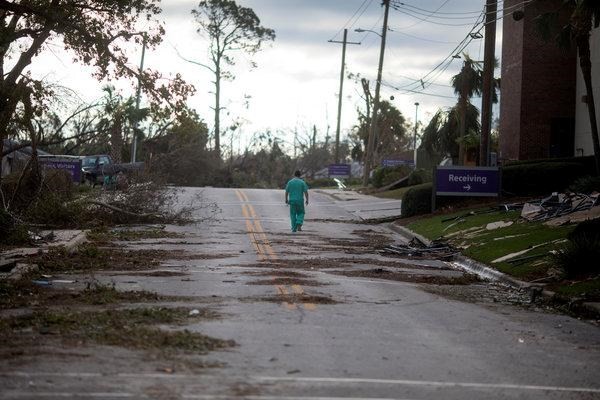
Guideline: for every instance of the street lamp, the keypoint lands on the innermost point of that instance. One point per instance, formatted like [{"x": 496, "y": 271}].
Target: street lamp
[
  {"x": 359, "y": 30},
  {"x": 415, "y": 138}
]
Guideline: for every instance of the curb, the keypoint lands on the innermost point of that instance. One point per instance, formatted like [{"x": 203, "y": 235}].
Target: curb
[
  {"x": 465, "y": 262},
  {"x": 481, "y": 269},
  {"x": 407, "y": 233},
  {"x": 78, "y": 239}
]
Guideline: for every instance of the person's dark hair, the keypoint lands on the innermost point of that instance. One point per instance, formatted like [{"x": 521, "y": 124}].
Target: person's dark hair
[{"x": 298, "y": 173}]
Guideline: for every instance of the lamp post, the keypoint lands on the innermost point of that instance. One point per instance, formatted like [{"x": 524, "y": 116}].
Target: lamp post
[
  {"x": 137, "y": 100},
  {"x": 415, "y": 136},
  {"x": 371, "y": 139}
]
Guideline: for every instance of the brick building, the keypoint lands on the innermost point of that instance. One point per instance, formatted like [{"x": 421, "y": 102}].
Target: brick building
[{"x": 542, "y": 109}]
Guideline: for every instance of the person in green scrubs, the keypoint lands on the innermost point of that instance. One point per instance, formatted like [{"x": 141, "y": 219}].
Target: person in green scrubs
[{"x": 295, "y": 192}]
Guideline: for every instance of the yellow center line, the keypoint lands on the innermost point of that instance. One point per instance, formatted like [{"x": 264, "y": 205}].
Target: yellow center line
[
  {"x": 259, "y": 252},
  {"x": 284, "y": 293},
  {"x": 263, "y": 247},
  {"x": 298, "y": 290}
]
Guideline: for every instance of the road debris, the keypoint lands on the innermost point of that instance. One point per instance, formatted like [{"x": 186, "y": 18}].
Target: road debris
[
  {"x": 381, "y": 273},
  {"x": 559, "y": 204},
  {"x": 437, "y": 250}
]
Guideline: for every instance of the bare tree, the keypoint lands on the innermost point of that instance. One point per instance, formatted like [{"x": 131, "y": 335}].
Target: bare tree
[{"x": 230, "y": 28}]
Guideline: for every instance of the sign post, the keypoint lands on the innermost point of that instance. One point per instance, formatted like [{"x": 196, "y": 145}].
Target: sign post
[{"x": 465, "y": 182}]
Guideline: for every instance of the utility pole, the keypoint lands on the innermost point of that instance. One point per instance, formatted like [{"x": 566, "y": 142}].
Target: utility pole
[
  {"x": 339, "y": 111},
  {"x": 138, "y": 95},
  {"x": 415, "y": 138},
  {"x": 370, "y": 144},
  {"x": 489, "y": 59}
]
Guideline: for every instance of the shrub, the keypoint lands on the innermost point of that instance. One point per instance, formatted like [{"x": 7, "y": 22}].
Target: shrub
[
  {"x": 53, "y": 210},
  {"x": 588, "y": 162},
  {"x": 540, "y": 178},
  {"x": 417, "y": 200},
  {"x": 387, "y": 175},
  {"x": 7, "y": 224},
  {"x": 419, "y": 176},
  {"x": 11, "y": 232},
  {"x": 321, "y": 182},
  {"x": 580, "y": 256},
  {"x": 586, "y": 184}
]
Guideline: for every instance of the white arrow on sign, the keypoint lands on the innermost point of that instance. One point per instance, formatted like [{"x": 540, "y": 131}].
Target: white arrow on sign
[{"x": 468, "y": 187}]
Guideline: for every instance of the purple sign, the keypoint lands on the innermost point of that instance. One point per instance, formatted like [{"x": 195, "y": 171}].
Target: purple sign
[
  {"x": 73, "y": 167},
  {"x": 467, "y": 181},
  {"x": 339, "y": 170},
  {"x": 396, "y": 162}
]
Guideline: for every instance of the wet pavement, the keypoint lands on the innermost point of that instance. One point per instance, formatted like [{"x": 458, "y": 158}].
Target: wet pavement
[{"x": 379, "y": 339}]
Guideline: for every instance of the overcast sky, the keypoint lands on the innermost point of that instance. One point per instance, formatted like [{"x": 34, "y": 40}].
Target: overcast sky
[{"x": 296, "y": 82}]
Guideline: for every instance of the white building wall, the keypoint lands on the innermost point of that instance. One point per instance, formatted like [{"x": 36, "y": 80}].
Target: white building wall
[{"x": 583, "y": 136}]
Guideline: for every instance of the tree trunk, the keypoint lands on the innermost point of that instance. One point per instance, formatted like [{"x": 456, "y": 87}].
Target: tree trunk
[
  {"x": 583, "y": 45},
  {"x": 462, "y": 127},
  {"x": 116, "y": 140},
  {"x": 217, "y": 112}
]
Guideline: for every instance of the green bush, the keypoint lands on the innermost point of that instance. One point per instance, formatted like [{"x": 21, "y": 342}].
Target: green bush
[
  {"x": 588, "y": 162},
  {"x": 321, "y": 182},
  {"x": 7, "y": 225},
  {"x": 580, "y": 256},
  {"x": 11, "y": 232},
  {"x": 52, "y": 209},
  {"x": 419, "y": 176},
  {"x": 586, "y": 184},
  {"x": 417, "y": 200},
  {"x": 540, "y": 178},
  {"x": 383, "y": 176}
]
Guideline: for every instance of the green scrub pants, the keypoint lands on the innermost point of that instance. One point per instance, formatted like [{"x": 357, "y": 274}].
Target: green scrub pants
[{"x": 296, "y": 214}]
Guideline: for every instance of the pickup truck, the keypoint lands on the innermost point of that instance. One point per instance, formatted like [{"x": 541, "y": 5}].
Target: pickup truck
[{"x": 96, "y": 168}]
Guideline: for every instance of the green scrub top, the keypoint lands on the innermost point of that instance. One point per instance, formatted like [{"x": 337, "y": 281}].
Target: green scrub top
[{"x": 296, "y": 188}]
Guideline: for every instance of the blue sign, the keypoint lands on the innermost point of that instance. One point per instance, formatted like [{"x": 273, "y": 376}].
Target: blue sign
[
  {"x": 467, "y": 181},
  {"x": 73, "y": 167},
  {"x": 339, "y": 170},
  {"x": 396, "y": 162}
]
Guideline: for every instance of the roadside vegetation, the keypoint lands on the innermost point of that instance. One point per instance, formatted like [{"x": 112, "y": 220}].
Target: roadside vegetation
[
  {"x": 80, "y": 308},
  {"x": 563, "y": 257}
]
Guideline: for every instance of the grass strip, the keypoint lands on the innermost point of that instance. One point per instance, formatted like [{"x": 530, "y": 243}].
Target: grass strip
[{"x": 130, "y": 328}]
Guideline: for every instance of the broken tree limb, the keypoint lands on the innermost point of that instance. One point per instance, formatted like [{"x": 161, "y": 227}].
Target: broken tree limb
[{"x": 120, "y": 210}]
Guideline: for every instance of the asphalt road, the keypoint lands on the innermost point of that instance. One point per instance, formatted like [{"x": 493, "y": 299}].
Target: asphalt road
[{"x": 383, "y": 339}]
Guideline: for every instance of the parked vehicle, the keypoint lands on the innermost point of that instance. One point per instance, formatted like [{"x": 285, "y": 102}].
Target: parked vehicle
[{"x": 100, "y": 168}]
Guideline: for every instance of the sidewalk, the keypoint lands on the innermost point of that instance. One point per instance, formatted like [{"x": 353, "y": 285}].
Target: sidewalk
[
  {"x": 69, "y": 238},
  {"x": 365, "y": 207}
]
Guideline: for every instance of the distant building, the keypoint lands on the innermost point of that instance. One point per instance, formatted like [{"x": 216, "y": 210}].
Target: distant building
[
  {"x": 16, "y": 160},
  {"x": 542, "y": 111}
]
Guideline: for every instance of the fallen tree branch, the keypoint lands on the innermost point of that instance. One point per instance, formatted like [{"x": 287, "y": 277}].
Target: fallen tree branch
[{"x": 120, "y": 210}]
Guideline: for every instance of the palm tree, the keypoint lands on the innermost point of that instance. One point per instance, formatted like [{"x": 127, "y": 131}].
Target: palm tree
[
  {"x": 467, "y": 83},
  {"x": 442, "y": 137},
  {"x": 585, "y": 16}
]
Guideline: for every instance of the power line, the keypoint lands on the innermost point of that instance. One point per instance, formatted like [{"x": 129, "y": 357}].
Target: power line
[
  {"x": 418, "y": 22},
  {"x": 429, "y": 78},
  {"x": 421, "y": 38},
  {"x": 419, "y": 92},
  {"x": 358, "y": 10},
  {"x": 399, "y": 3},
  {"x": 429, "y": 14}
]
